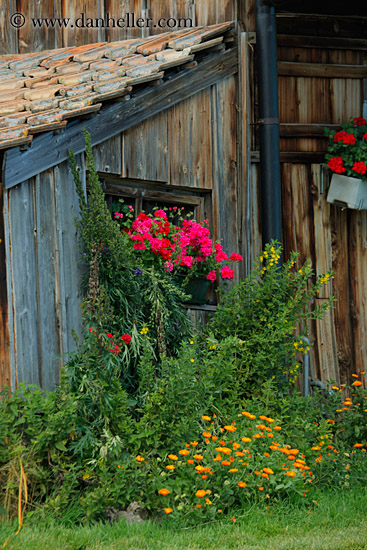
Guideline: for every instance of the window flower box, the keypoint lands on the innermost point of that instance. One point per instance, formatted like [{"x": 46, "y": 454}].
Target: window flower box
[
  {"x": 347, "y": 160},
  {"x": 348, "y": 192}
]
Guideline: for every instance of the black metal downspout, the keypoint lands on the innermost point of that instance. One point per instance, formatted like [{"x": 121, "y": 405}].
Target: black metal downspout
[{"x": 271, "y": 206}]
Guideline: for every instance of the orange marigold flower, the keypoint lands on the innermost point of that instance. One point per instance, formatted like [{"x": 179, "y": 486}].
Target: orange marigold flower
[
  {"x": 277, "y": 428},
  {"x": 290, "y": 473},
  {"x": 221, "y": 442},
  {"x": 355, "y": 375},
  {"x": 267, "y": 455},
  {"x": 208, "y": 502},
  {"x": 246, "y": 439},
  {"x": 184, "y": 452},
  {"x": 239, "y": 453},
  {"x": 274, "y": 447},
  {"x": 190, "y": 461},
  {"x": 294, "y": 451},
  {"x": 291, "y": 457},
  {"x": 316, "y": 448},
  {"x": 252, "y": 417},
  {"x": 198, "y": 457},
  {"x": 194, "y": 443},
  {"x": 241, "y": 484},
  {"x": 173, "y": 457},
  {"x": 198, "y": 506},
  {"x": 163, "y": 492},
  {"x": 226, "y": 463},
  {"x": 245, "y": 413},
  {"x": 168, "y": 510},
  {"x": 260, "y": 426},
  {"x": 257, "y": 473},
  {"x": 257, "y": 436},
  {"x": 170, "y": 467},
  {"x": 261, "y": 488},
  {"x": 218, "y": 458},
  {"x": 199, "y": 468},
  {"x": 207, "y": 434},
  {"x": 270, "y": 435},
  {"x": 140, "y": 458},
  {"x": 224, "y": 450},
  {"x": 268, "y": 471},
  {"x": 204, "y": 476},
  {"x": 200, "y": 493},
  {"x": 358, "y": 445},
  {"x": 230, "y": 428},
  {"x": 206, "y": 418},
  {"x": 215, "y": 437},
  {"x": 233, "y": 519},
  {"x": 357, "y": 383},
  {"x": 233, "y": 470},
  {"x": 236, "y": 446}
]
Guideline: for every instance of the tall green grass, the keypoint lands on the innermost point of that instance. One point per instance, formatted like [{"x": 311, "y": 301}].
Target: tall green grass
[{"x": 337, "y": 522}]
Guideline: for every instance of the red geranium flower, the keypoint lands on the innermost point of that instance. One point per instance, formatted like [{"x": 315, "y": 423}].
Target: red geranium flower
[
  {"x": 347, "y": 139},
  {"x": 126, "y": 338},
  {"x": 359, "y": 121},
  {"x": 336, "y": 165},
  {"x": 359, "y": 167}
]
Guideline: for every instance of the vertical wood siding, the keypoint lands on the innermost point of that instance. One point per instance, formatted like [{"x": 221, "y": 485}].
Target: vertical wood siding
[
  {"x": 190, "y": 142},
  {"x": 8, "y": 34},
  {"x": 43, "y": 275},
  {"x": 144, "y": 150},
  {"x": 332, "y": 238},
  {"x": 30, "y": 39}
]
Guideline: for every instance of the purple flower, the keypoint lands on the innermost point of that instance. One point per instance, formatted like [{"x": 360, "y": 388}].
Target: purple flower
[{"x": 138, "y": 271}]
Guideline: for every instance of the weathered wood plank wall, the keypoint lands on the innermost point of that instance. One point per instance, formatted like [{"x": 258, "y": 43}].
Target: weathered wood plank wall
[
  {"x": 28, "y": 38},
  {"x": 43, "y": 275},
  {"x": 193, "y": 145},
  {"x": 331, "y": 237}
]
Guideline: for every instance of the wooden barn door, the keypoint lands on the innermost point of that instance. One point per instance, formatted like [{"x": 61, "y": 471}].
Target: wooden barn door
[{"x": 321, "y": 83}]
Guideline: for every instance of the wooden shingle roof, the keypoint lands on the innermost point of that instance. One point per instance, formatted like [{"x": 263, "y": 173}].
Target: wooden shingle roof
[{"x": 41, "y": 91}]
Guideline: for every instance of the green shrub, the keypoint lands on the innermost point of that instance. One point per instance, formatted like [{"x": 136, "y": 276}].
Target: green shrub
[{"x": 270, "y": 312}]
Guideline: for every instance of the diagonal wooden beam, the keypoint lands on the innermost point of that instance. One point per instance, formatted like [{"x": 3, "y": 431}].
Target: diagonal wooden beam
[{"x": 48, "y": 150}]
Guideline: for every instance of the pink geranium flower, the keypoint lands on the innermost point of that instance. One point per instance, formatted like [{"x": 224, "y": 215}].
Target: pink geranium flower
[
  {"x": 212, "y": 275},
  {"x": 226, "y": 272},
  {"x": 236, "y": 257}
]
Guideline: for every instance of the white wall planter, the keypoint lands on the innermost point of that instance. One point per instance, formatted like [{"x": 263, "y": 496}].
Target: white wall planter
[{"x": 348, "y": 192}]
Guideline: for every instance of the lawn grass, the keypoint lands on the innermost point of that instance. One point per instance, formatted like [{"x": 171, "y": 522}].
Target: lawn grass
[{"x": 337, "y": 522}]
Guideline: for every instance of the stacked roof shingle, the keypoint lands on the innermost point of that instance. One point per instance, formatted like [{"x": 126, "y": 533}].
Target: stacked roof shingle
[{"x": 42, "y": 91}]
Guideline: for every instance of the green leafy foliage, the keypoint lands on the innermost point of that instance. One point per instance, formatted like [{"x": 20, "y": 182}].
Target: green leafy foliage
[
  {"x": 137, "y": 394},
  {"x": 270, "y": 312}
]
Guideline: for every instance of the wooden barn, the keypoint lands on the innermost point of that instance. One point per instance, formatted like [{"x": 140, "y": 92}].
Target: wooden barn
[{"x": 177, "y": 115}]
